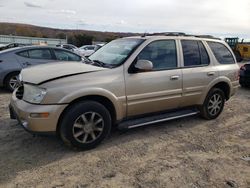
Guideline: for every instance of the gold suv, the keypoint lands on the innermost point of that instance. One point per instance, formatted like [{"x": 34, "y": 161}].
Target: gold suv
[{"x": 130, "y": 82}]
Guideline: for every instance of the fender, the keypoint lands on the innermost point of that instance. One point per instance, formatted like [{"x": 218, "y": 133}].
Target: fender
[
  {"x": 212, "y": 84},
  {"x": 118, "y": 102}
]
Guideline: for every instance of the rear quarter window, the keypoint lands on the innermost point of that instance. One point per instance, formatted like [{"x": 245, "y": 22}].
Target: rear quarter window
[
  {"x": 23, "y": 54},
  {"x": 221, "y": 52}
]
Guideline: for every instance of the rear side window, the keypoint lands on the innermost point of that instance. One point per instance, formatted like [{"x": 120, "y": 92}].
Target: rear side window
[
  {"x": 23, "y": 54},
  {"x": 62, "y": 55},
  {"x": 221, "y": 52},
  {"x": 194, "y": 53},
  {"x": 40, "y": 54},
  {"x": 162, "y": 54}
]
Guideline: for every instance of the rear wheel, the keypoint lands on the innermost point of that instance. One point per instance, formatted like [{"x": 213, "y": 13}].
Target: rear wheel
[
  {"x": 85, "y": 125},
  {"x": 11, "y": 81},
  {"x": 213, "y": 104}
]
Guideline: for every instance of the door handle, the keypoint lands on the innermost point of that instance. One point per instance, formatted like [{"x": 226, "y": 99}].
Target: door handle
[
  {"x": 211, "y": 73},
  {"x": 176, "y": 77}
]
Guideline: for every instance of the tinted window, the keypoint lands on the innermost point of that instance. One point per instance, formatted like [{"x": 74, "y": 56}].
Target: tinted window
[
  {"x": 66, "y": 56},
  {"x": 194, "y": 53},
  {"x": 90, "y": 48},
  {"x": 161, "y": 53},
  {"x": 40, "y": 54},
  {"x": 221, "y": 52},
  {"x": 23, "y": 54}
]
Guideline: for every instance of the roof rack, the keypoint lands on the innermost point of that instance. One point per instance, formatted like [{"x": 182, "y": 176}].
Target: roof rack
[{"x": 181, "y": 34}]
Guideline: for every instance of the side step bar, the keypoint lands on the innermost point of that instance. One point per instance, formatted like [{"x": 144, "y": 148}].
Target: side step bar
[{"x": 129, "y": 124}]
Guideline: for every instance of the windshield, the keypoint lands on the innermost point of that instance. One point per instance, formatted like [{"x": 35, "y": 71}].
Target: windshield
[{"x": 116, "y": 52}]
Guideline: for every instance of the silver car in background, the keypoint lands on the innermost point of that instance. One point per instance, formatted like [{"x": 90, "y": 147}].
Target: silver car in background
[{"x": 12, "y": 61}]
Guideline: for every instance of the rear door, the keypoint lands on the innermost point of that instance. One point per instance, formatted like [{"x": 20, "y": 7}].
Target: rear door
[
  {"x": 197, "y": 69},
  {"x": 35, "y": 56}
]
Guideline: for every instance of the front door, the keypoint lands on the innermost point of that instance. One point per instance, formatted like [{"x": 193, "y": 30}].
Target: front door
[{"x": 159, "y": 89}]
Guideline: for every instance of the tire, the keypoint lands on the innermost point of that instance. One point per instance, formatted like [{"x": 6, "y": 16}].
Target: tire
[
  {"x": 11, "y": 81},
  {"x": 210, "y": 111},
  {"x": 78, "y": 130}
]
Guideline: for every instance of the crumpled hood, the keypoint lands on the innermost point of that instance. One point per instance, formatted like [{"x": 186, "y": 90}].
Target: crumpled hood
[{"x": 43, "y": 73}]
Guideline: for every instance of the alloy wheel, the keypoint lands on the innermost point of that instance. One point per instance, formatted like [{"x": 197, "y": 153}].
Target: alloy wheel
[
  {"x": 215, "y": 104},
  {"x": 88, "y": 127},
  {"x": 14, "y": 82}
]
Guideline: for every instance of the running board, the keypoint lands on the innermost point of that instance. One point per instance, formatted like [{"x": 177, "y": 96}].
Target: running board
[{"x": 129, "y": 124}]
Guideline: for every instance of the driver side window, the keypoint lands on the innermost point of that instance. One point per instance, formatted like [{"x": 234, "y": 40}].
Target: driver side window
[{"x": 162, "y": 54}]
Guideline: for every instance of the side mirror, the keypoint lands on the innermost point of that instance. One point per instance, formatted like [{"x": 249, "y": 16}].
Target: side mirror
[{"x": 144, "y": 65}]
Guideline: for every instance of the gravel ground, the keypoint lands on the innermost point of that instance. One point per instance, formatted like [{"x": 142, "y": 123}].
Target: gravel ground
[{"x": 190, "y": 152}]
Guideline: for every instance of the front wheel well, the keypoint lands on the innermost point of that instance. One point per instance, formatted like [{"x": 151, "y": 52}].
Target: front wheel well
[
  {"x": 224, "y": 87},
  {"x": 100, "y": 99}
]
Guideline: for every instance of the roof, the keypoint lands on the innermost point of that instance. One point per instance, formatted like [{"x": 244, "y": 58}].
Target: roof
[{"x": 13, "y": 50}]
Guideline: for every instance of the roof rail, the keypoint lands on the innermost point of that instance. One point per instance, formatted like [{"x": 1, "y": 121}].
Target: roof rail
[
  {"x": 181, "y": 34},
  {"x": 166, "y": 34},
  {"x": 207, "y": 36}
]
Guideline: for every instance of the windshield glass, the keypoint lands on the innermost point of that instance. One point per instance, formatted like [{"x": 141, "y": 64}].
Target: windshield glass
[{"x": 116, "y": 52}]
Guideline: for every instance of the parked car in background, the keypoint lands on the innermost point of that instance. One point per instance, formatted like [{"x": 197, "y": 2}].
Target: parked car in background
[
  {"x": 245, "y": 75},
  {"x": 87, "y": 50},
  {"x": 98, "y": 46},
  {"x": 11, "y": 45},
  {"x": 12, "y": 61},
  {"x": 70, "y": 47},
  {"x": 130, "y": 82}
]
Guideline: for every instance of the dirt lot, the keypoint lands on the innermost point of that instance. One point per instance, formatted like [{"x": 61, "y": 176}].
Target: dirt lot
[{"x": 190, "y": 152}]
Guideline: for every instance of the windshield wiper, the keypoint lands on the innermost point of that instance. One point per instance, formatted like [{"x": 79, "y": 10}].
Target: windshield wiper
[{"x": 99, "y": 63}]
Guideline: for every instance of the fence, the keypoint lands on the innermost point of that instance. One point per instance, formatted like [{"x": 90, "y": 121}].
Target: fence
[{"x": 6, "y": 39}]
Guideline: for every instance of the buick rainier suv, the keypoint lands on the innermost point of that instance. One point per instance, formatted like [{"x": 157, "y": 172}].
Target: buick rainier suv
[{"x": 128, "y": 83}]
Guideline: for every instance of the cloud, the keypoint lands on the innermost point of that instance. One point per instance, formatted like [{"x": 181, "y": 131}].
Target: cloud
[
  {"x": 32, "y": 4},
  {"x": 63, "y": 11}
]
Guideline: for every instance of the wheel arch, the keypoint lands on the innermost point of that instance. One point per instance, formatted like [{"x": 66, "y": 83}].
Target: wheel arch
[
  {"x": 224, "y": 86},
  {"x": 106, "y": 102}
]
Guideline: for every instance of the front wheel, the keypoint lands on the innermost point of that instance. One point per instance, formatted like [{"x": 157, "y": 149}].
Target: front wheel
[
  {"x": 85, "y": 125},
  {"x": 213, "y": 104},
  {"x": 12, "y": 82}
]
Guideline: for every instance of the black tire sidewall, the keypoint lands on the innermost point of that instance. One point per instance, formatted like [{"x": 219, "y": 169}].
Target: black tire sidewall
[
  {"x": 73, "y": 113},
  {"x": 210, "y": 94}
]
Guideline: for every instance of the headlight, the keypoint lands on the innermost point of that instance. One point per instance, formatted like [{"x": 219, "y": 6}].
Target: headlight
[{"x": 33, "y": 94}]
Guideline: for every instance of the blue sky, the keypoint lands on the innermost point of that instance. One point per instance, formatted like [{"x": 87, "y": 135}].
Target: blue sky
[{"x": 217, "y": 17}]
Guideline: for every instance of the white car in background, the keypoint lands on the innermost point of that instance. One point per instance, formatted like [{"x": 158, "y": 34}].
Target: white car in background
[
  {"x": 70, "y": 47},
  {"x": 87, "y": 50}
]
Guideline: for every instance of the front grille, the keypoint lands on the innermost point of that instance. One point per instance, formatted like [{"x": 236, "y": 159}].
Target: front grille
[{"x": 19, "y": 92}]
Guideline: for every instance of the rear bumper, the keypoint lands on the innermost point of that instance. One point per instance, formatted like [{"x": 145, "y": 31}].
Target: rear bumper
[{"x": 21, "y": 111}]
